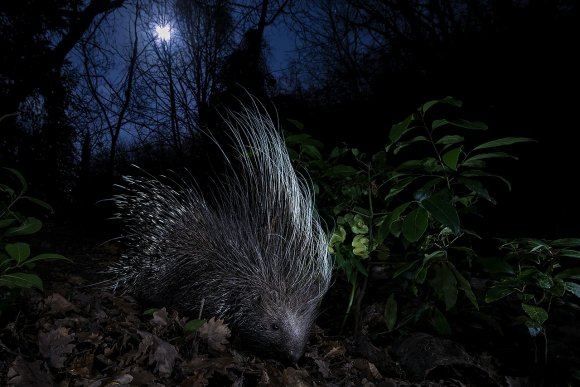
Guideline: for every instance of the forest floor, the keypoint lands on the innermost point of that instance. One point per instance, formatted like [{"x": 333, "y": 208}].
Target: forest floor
[{"x": 77, "y": 334}]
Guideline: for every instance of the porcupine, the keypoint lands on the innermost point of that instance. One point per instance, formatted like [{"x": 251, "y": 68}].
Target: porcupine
[{"x": 253, "y": 253}]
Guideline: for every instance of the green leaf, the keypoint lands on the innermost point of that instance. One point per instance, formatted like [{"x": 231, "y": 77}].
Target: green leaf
[
  {"x": 477, "y": 187},
  {"x": 464, "y": 285},
  {"x": 539, "y": 245},
  {"x": 538, "y": 314},
  {"x": 379, "y": 161},
  {"x": 39, "y": 202},
  {"x": 341, "y": 171},
  {"x": 445, "y": 285},
  {"x": 569, "y": 273},
  {"x": 433, "y": 256},
  {"x": 443, "y": 211},
  {"x": 415, "y": 224},
  {"x": 7, "y": 222},
  {"x": 360, "y": 268},
  {"x": 503, "y": 142},
  {"x": 311, "y": 151},
  {"x": 360, "y": 246},
  {"x": 48, "y": 257},
  {"x": 20, "y": 178},
  {"x": 395, "y": 215},
  {"x": 421, "y": 274},
  {"x": 398, "y": 130},
  {"x": 358, "y": 225},
  {"x": 391, "y": 312},
  {"x": 399, "y": 187},
  {"x": 296, "y": 123},
  {"x": 480, "y": 164},
  {"x": 559, "y": 287},
  {"x": 450, "y": 158},
  {"x": 396, "y": 228},
  {"x": 18, "y": 251},
  {"x": 498, "y": 292},
  {"x": 544, "y": 281},
  {"x": 478, "y": 173},
  {"x": 447, "y": 100},
  {"x": 495, "y": 265},
  {"x": 150, "y": 311},
  {"x": 411, "y": 164},
  {"x": 477, "y": 125},
  {"x": 573, "y": 288},
  {"x": 20, "y": 280},
  {"x": 29, "y": 226},
  {"x": 192, "y": 326},
  {"x": 337, "y": 238},
  {"x": 403, "y": 144},
  {"x": 336, "y": 152},
  {"x": 569, "y": 253},
  {"x": 5, "y": 261},
  {"x": 483, "y": 156},
  {"x": 450, "y": 140},
  {"x": 405, "y": 268},
  {"x": 338, "y": 235},
  {"x": 431, "y": 164},
  {"x": 440, "y": 323},
  {"x": 566, "y": 242},
  {"x": 10, "y": 193}
]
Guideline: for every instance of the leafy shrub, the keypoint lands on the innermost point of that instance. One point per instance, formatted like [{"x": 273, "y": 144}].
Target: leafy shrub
[
  {"x": 407, "y": 207},
  {"x": 537, "y": 272},
  {"x": 16, "y": 261}
]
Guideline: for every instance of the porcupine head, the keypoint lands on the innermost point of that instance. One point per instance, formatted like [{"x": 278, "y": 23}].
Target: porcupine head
[{"x": 253, "y": 252}]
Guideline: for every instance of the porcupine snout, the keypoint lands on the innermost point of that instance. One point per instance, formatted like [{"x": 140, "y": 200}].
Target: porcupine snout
[{"x": 280, "y": 329}]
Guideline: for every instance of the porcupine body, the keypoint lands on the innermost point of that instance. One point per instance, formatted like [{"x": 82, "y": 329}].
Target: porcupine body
[{"x": 253, "y": 252}]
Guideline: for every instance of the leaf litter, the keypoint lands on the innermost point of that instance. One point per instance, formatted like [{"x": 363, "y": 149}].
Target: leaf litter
[{"x": 80, "y": 335}]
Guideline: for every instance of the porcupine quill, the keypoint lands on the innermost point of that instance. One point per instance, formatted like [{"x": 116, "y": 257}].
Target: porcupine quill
[{"x": 254, "y": 253}]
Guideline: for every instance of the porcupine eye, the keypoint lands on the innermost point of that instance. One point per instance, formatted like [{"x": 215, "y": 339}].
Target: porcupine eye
[{"x": 274, "y": 327}]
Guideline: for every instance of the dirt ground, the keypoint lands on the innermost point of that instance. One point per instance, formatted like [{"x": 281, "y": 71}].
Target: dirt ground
[{"x": 77, "y": 334}]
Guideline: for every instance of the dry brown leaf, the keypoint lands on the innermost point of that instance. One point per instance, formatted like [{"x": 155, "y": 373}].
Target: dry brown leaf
[
  {"x": 336, "y": 350},
  {"x": 375, "y": 372},
  {"x": 28, "y": 374},
  {"x": 164, "y": 356},
  {"x": 55, "y": 303},
  {"x": 221, "y": 364},
  {"x": 82, "y": 364},
  {"x": 160, "y": 317},
  {"x": 142, "y": 351},
  {"x": 324, "y": 368},
  {"x": 95, "y": 338},
  {"x": 126, "y": 305},
  {"x": 141, "y": 376},
  {"x": 199, "y": 379},
  {"x": 124, "y": 379},
  {"x": 215, "y": 333},
  {"x": 161, "y": 353},
  {"x": 295, "y": 377},
  {"x": 55, "y": 345}
]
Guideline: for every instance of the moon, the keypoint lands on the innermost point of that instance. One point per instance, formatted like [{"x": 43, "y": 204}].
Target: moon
[{"x": 163, "y": 32}]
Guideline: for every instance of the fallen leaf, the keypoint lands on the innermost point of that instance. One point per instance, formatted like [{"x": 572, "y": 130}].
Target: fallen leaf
[
  {"x": 295, "y": 377},
  {"x": 160, "y": 317},
  {"x": 55, "y": 303},
  {"x": 324, "y": 368},
  {"x": 55, "y": 345},
  {"x": 28, "y": 374},
  {"x": 141, "y": 376},
  {"x": 215, "y": 333},
  {"x": 161, "y": 353}
]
